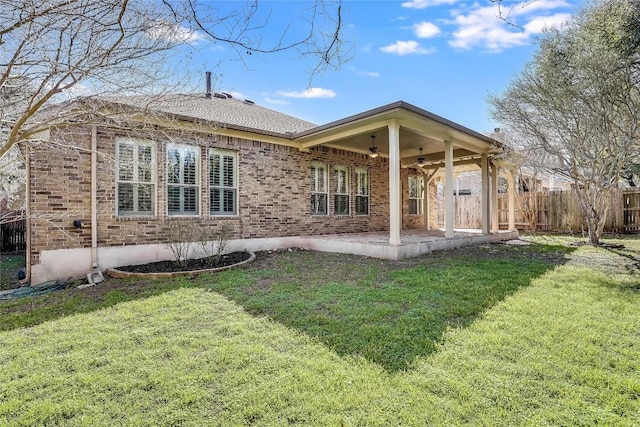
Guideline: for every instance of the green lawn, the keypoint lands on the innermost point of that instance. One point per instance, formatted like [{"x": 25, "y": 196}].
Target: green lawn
[
  {"x": 10, "y": 264},
  {"x": 319, "y": 344}
]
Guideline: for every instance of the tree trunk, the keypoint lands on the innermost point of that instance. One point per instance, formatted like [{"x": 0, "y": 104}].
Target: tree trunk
[
  {"x": 594, "y": 231},
  {"x": 595, "y": 207}
]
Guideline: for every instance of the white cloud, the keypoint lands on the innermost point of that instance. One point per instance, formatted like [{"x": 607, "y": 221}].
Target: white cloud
[
  {"x": 312, "y": 92},
  {"x": 425, "y": 30},
  {"x": 536, "y": 25},
  {"x": 368, "y": 73},
  {"x": 365, "y": 73},
  {"x": 422, "y": 4},
  {"x": 235, "y": 94},
  {"x": 79, "y": 90},
  {"x": 528, "y": 7},
  {"x": 482, "y": 26},
  {"x": 173, "y": 33},
  {"x": 406, "y": 48},
  {"x": 276, "y": 101}
]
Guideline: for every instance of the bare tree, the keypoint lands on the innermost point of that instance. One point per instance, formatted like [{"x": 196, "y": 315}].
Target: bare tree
[
  {"x": 579, "y": 102},
  {"x": 12, "y": 168},
  {"x": 12, "y": 180},
  {"x": 63, "y": 49}
]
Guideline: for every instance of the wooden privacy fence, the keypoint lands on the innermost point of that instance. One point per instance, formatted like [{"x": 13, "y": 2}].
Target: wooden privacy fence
[
  {"x": 13, "y": 232},
  {"x": 552, "y": 210}
]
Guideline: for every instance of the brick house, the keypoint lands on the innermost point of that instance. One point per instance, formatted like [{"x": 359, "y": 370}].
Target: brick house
[{"x": 110, "y": 173}]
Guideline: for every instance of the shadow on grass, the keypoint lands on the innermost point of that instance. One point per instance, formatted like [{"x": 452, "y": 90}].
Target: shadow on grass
[
  {"x": 30, "y": 311},
  {"x": 386, "y": 311},
  {"x": 389, "y": 313},
  {"x": 632, "y": 264}
]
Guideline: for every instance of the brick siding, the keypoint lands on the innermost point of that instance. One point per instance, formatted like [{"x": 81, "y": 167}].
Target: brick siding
[{"x": 274, "y": 191}]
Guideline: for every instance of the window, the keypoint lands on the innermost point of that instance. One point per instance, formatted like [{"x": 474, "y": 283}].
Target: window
[
  {"x": 183, "y": 180},
  {"x": 416, "y": 195},
  {"x": 341, "y": 186},
  {"x": 136, "y": 182},
  {"x": 362, "y": 192},
  {"x": 223, "y": 182},
  {"x": 319, "y": 189}
]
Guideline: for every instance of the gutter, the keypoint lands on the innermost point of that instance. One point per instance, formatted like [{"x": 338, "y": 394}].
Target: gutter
[
  {"x": 94, "y": 197},
  {"x": 27, "y": 155}
]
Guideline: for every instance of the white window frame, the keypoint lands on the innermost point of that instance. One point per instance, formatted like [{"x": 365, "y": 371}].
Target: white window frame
[
  {"x": 182, "y": 149},
  {"x": 317, "y": 186},
  {"x": 418, "y": 196},
  {"x": 341, "y": 188},
  {"x": 135, "y": 182},
  {"x": 221, "y": 187},
  {"x": 362, "y": 189}
]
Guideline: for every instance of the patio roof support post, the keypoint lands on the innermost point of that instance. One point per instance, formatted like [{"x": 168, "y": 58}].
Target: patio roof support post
[
  {"x": 395, "y": 205},
  {"x": 427, "y": 204},
  {"x": 495, "y": 220},
  {"x": 448, "y": 190},
  {"x": 511, "y": 182},
  {"x": 427, "y": 209},
  {"x": 485, "y": 193}
]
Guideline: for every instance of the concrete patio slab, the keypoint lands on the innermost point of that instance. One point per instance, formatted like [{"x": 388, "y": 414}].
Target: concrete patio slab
[{"x": 376, "y": 244}]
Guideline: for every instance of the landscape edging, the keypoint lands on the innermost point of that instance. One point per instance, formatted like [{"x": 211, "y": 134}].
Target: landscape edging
[{"x": 114, "y": 272}]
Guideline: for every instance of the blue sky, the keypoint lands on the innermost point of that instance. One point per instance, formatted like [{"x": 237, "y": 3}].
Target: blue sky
[{"x": 445, "y": 56}]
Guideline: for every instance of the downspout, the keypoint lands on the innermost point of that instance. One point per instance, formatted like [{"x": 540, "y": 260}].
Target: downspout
[
  {"x": 94, "y": 197},
  {"x": 27, "y": 209}
]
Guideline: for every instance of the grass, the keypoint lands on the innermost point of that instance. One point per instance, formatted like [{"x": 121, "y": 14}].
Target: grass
[
  {"x": 561, "y": 349},
  {"x": 387, "y": 318},
  {"x": 9, "y": 266},
  {"x": 20, "y": 313},
  {"x": 388, "y": 312}
]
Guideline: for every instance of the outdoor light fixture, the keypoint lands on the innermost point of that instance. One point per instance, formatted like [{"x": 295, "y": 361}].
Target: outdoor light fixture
[
  {"x": 421, "y": 158},
  {"x": 77, "y": 223},
  {"x": 373, "y": 150}
]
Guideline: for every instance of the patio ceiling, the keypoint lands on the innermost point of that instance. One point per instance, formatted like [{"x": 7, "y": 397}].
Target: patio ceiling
[{"x": 418, "y": 129}]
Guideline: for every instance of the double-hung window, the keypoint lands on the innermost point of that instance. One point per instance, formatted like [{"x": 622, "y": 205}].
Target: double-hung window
[
  {"x": 319, "y": 189},
  {"x": 223, "y": 182},
  {"x": 136, "y": 177},
  {"x": 341, "y": 198},
  {"x": 416, "y": 195},
  {"x": 362, "y": 192},
  {"x": 183, "y": 180}
]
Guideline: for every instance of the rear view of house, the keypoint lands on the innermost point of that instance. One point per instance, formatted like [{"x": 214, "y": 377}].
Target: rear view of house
[{"x": 112, "y": 172}]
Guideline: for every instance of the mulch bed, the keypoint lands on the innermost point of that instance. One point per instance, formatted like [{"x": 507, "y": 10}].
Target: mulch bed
[{"x": 191, "y": 265}]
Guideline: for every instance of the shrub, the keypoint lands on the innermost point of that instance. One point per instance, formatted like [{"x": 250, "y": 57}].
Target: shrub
[
  {"x": 179, "y": 237},
  {"x": 214, "y": 243}
]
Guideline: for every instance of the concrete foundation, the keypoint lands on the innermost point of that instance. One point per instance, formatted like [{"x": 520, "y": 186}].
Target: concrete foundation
[{"x": 76, "y": 263}]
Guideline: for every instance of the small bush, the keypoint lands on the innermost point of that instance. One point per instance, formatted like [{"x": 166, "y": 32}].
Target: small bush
[
  {"x": 179, "y": 237},
  {"x": 214, "y": 243}
]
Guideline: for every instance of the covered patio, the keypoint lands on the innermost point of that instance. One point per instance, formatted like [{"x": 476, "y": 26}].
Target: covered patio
[{"x": 412, "y": 138}]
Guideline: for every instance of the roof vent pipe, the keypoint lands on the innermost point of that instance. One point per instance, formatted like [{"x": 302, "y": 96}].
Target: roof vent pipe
[{"x": 208, "y": 94}]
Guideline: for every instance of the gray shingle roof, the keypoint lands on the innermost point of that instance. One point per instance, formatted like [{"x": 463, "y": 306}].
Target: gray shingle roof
[{"x": 230, "y": 112}]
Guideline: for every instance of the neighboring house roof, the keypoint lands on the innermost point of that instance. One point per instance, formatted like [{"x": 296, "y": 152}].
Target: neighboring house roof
[{"x": 226, "y": 112}]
